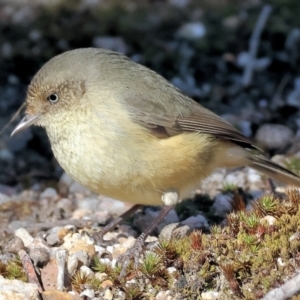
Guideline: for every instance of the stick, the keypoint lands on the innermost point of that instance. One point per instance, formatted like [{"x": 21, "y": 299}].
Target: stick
[{"x": 254, "y": 43}]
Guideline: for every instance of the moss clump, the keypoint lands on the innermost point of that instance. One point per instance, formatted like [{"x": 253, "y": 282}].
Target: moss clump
[
  {"x": 13, "y": 269},
  {"x": 254, "y": 252}
]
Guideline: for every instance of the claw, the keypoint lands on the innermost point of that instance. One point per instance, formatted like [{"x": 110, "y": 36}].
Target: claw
[{"x": 133, "y": 253}]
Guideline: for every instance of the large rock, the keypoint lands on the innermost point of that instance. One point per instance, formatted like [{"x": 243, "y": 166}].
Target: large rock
[
  {"x": 17, "y": 290},
  {"x": 273, "y": 136}
]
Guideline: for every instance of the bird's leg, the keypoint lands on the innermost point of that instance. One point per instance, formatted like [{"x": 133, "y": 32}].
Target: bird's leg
[
  {"x": 98, "y": 236},
  {"x": 169, "y": 198},
  {"x": 271, "y": 186}
]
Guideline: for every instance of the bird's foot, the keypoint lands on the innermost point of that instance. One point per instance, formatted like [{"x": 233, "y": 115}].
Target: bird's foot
[
  {"x": 98, "y": 238},
  {"x": 132, "y": 253}
]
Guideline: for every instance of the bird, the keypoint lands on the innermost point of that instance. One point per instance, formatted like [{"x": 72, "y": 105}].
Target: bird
[{"x": 124, "y": 131}]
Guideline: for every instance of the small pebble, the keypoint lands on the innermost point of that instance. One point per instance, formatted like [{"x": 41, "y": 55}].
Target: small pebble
[
  {"x": 87, "y": 271},
  {"x": 269, "y": 219},
  {"x": 106, "y": 283},
  {"x": 24, "y": 235},
  {"x": 193, "y": 222},
  {"x": 211, "y": 295},
  {"x": 274, "y": 136},
  {"x": 280, "y": 262},
  {"x": 295, "y": 236},
  {"x": 192, "y": 31},
  {"x": 49, "y": 193},
  {"x": 88, "y": 293},
  {"x": 101, "y": 276}
]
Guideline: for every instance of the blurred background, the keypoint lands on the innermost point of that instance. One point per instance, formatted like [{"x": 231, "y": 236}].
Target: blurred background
[{"x": 238, "y": 58}]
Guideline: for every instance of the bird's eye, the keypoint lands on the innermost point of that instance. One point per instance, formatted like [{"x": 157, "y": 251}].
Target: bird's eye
[{"x": 53, "y": 98}]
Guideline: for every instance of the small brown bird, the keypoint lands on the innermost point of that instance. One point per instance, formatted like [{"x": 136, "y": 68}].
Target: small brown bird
[{"x": 124, "y": 131}]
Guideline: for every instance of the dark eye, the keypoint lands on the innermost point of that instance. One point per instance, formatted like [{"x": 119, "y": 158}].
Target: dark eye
[{"x": 53, "y": 98}]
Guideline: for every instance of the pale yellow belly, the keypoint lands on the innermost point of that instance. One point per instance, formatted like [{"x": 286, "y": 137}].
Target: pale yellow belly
[{"x": 149, "y": 168}]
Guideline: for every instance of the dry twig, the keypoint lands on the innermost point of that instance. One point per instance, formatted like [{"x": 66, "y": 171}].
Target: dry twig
[
  {"x": 29, "y": 269},
  {"x": 254, "y": 43}
]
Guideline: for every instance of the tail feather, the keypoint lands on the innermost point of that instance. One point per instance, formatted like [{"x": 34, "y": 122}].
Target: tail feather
[{"x": 273, "y": 170}]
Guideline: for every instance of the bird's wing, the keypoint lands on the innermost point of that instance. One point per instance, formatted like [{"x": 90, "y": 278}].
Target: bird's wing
[{"x": 164, "y": 121}]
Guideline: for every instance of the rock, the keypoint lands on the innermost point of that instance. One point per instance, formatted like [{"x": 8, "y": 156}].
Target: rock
[
  {"x": 106, "y": 283},
  {"x": 72, "y": 264},
  {"x": 18, "y": 290},
  {"x": 292, "y": 39},
  {"x": 211, "y": 295},
  {"x": 280, "y": 262},
  {"x": 181, "y": 232},
  {"x": 151, "y": 239},
  {"x": 89, "y": 204},
  {"x": 6, "y": 155},
  {"x": 54, "y": 295},
  {"x": 119, "y": 249},
  {"x": 222, "y": 205},
  {"x": 24, "y": 235},
  {"x": 76, "y": 242},
  {"x": 273, "y": 136},
  {"x": 128, "y": 242},
  {"x": 87, "y": 271},
  {"x": 295, "y": 236},
  {"x": 214, "y": 183},
  {"x": 254, "y": 180},
  {"x": 235, "y": 178},
  {"x": 231, "y": 22},
  {"x": 193, "y": 222},
  {"x": 81, "y": 214},
  {"x": 142, "y": 221},
  {"x": 49, "y": 193},
  {"x": 101, "y": 276},
  {"x": 4, "y": 199},
  {"x": 171, "y": 270},
  {"x": 112, "y": 43},
  {"x": 164, "y": 295},
  {"x": 40, "y": 256},
  {"x": 67, "y": 206},
  {"x": 113, "y": 206},
  {"x": 293, "y": 98},
  {"x": 67, "y": 185},
  {"x": 77, "y": 259},
  {"x": 270, "y": 220},
  {"x": 6, "y": 190},
  {"x": 127, "y": 230},
  {"x": 171, "y": 217},
  {"x": 167, "y": 232},
  {"x": 245, "y": 127},
  {"x": 14, "y": 245},
  {"x": 179, "y": 3},
  {"x": 192, "y": 31},
  {"x": 88, "y": 293},
  {"x": 55, "y": 236}
]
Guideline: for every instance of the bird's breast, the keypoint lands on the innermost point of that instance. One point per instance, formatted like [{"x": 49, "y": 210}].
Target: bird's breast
[{"x": 130, "y": 164}]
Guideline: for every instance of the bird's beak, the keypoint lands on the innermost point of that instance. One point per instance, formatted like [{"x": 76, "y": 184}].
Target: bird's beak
[{"x": 26, "y": 122}]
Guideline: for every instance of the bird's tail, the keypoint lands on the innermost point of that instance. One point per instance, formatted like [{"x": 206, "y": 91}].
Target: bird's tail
[{"x": 273, "y": 170}]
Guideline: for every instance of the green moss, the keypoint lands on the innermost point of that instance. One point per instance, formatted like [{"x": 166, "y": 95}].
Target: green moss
[
  {"x": 247, "y": 251},
  {"x": 80, "y": 281},
  {"x": 229, "y": 187},
  {"x": 100, "y": 267},
  {"x": 13, "y": 270}
]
